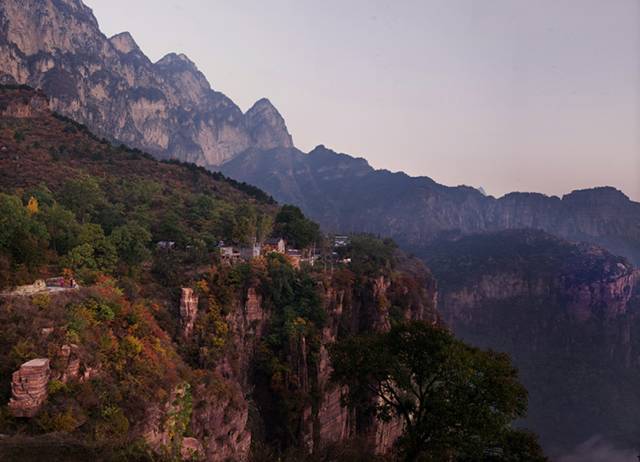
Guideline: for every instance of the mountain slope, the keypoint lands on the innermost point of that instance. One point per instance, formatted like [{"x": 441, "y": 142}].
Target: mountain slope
[
  {"x": 166, "y": 347},
  {"x": 345, "y": 194},
  {"x": 166, "y": 108}
]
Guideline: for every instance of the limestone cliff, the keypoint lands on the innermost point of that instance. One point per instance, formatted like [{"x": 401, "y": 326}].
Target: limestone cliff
[
  {"x": 166, "y": 108},
  {"x": 281, "y": 369},
  {"x": 352, "y": 303},
  {"x": 188, "y": 310}
]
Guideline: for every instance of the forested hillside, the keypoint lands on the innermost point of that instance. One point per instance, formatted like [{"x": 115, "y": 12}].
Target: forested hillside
[{"x": 127, "y": 333}]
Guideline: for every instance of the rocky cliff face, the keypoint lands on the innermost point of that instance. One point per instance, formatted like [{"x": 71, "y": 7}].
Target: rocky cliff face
[
  {"x": 362, "y": 306},
  {"x": 303, "y": 398},
  {"x": 29, "y": 387},
  {"x": 166, "y": 108},
  {"x": 345, "y": 194},
  {"x": 188, "y": 310},
  {"x": 32, "y": 104},
  {"x": 568, "y": 314}
]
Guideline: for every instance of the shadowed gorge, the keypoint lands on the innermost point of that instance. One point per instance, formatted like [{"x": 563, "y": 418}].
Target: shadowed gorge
[{"x": 568, "y": 315}]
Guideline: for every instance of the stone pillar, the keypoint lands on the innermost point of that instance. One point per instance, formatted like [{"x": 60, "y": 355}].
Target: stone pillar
[
  {"x": 29, "y": 388},
  {"x": 188, "y": 311}
]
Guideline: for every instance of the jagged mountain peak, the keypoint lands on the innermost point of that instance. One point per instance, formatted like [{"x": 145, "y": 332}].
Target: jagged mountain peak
[
  {"x": 36, "y": 26},
  {"x": 176, "y": 59},
  {"x": 168, "y": 108},
  {"x": 263, "y": 104},
  {"x": 267, "y": 126},
  {"x": 124, "y": 43},
  {"x": 183, "y": 73}
]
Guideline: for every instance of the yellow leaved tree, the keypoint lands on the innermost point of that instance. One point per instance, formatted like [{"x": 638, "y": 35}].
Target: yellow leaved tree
[{"x": 32, "y": 206}]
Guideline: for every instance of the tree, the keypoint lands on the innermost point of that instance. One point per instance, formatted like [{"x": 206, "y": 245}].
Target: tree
[
  {"x": 80, "y": 258},
  {"x": 264, "y": 226},
  {"x": 244, "y": 230},
  {"x": 368, "y": 254},
  {"x": 93, "y": 252},
  {"x": 41, "y": 193},
  {"x": 456, "y": 402},
  {"x": 82, "y": 196},
  {"x": 62, "y": 227},
  {"x": 295, "y": 228},
  {"x": 32, "y": 206},
  {"x": 131, "y": 241},
  {"x": 21, "y": 235}
]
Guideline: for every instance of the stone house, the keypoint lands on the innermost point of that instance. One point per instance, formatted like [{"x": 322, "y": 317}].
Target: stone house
[
  {"x": 253, "y": 251},
  {"x": 166, "y": 245},
  {"x": 340, "y": 241},
  {"x": 274, "y": 244},
  {"x": 231, "y": 254}
]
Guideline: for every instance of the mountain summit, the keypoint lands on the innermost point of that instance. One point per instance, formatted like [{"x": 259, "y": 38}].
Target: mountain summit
[
  {"x": 267, "y": 126},
  {"x": 166, "y": 108}
]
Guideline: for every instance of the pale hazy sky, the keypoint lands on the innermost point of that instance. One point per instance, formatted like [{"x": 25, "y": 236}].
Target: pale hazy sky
[{"x": 529, "y": 95}]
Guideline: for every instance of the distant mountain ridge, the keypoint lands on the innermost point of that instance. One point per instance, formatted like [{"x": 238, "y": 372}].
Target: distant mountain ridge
[
  {"x": 346, "y": 194},
  {"x": 169, "y": 109},
  {"x": 166, "y": 108}
]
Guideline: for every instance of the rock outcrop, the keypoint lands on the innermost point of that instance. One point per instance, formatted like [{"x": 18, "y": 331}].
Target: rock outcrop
[
  {"x": 220, "y": 422},
  {"x": 585, "y": 280},
  {"x": 70, "y": 363},
  {"x": 29, "y": 388},
  {"x": 31, "y": 105},
  {"x": 191, "y": 449},
  {"x": 353, "y": 309},
  {"x": 188, "y": 311},
  {"x": 166, "y": 108},
  {"x": 266, "y": 126}
]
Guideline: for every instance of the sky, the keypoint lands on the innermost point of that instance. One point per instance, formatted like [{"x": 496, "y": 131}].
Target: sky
[{"x": 508, "y": 95}]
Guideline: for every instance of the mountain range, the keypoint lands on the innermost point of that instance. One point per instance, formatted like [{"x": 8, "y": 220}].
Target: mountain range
[
  {"x": 548, "y": 279},
  {"x": 166, "y": 108},
  {"x": 169, "y": 109},
  {"x": 346, "y": 194}
]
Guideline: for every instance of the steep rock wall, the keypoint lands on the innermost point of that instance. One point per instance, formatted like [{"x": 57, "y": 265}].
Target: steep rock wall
[{"x": 166, "y": 108}]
